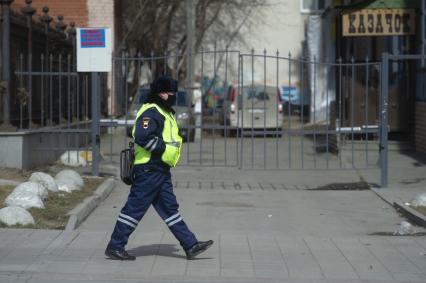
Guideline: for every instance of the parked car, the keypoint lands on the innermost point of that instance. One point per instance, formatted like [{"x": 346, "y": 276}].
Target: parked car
[
  {"x": 138, "y": 99},
  {"x": 184, "y": 112},
  {"x": 293, "y": 101},
  {"x": 255, "y": 107},
  {"x": 185, "y": 116}
]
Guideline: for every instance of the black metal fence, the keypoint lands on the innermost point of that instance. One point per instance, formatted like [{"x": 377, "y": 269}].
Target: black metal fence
[{"x": 33, "y": 45}]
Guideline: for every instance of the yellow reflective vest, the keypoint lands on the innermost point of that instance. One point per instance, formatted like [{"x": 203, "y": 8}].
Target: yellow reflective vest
[{"x": 170, "y": 137}]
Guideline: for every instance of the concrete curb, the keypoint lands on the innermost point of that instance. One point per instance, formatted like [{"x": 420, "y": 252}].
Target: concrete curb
[
  {"x": 411, "y": 214},
  {"x": 81, "y": 211},
  {"x": 382, "y": 196}
]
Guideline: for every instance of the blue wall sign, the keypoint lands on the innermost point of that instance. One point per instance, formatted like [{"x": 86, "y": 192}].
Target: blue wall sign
[{"x": 92, "y": 38}]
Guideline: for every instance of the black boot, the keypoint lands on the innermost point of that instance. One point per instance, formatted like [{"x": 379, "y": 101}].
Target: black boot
[
  {"x": 118, "y": 254},
  {"x": 197, "y": 249}
]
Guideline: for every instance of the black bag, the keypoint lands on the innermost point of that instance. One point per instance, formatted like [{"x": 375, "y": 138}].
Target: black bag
[{"x": 127, "y": 158}]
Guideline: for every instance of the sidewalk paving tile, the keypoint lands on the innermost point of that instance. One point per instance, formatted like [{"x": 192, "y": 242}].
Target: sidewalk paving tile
[
  {"x": 237, "y": 270},
  {"x": 142, "y": 266},
  {"x": 77, "y": 254},
  {"x": 236, "y": 259},
  {"x": 264, "y": 250},
  {"x": 165, "y": 262},
  {"x": 66, "y": 267},
  {"x": 203, "y": 268},
  {"x": 412, "y": 251},
  {"x": 331, "y": 260},
  {"x": 364, "y": 263},
  {"x": 393, "y": 260},
  {"x": 206, "y": 264},
  {"x": 101, "y": 266},
  {"x": 421, "y": 241},
  {"x": 87, "y": 240},
  {"x": 270, "y": 271},
  {"x": 299, "y": 259},
  {"x": 267, "y": 258},
  {"x": 145, "y": 246},
  {"x": 10, "y": 267},
  {"x": 39, "y": 266},
  {"x": 9, "y": 236},
  {"x": 12, "y": 239}
]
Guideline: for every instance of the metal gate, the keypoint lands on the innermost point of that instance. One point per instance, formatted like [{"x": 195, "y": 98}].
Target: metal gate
[
  {"x": 317, "y": 126},
  {"x": 245, "y": 110},
  {"x": 267, "y": 112}
]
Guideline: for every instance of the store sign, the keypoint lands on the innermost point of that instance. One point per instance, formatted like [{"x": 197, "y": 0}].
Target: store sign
[{"x": 379, "y": 22}]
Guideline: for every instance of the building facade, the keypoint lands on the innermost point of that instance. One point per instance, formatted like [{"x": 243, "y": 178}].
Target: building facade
[{"x": 360, "y": 32}]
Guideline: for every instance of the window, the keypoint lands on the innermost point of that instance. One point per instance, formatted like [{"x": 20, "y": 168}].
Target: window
[
  {"x": 257, "y": 92},
  {"x": 181, "y": 99},
  {"x": 313, "y": 6}
]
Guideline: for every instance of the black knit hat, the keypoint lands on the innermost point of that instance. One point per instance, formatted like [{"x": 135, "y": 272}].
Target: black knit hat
[{"x": 163, "y": 84}]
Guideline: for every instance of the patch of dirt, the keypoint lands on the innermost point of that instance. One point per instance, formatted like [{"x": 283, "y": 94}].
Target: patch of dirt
[
  {"x": 421, "y": 209},
  {"x": 15, "y": 174},
  {"x": 57, "y": 205},
  {"x": 4, "y": 192},
  {"x": 356, "y": 186}
]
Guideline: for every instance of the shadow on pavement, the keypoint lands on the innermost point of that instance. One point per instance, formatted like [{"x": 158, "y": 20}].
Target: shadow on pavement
[
  {"x": 167, "y": 250},
  {"x": 419, "y": 158}
]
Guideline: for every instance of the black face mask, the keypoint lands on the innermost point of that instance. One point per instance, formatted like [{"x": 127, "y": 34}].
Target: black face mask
[
  {"x": 166, "y": 104},
  {"x": 171, "y": 101}
]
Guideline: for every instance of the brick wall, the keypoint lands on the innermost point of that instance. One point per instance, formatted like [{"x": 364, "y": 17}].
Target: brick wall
[
  {"x": 420, "y": 127},
  {"x": 72, "y": 10},
  {"x": 101, "y": 14},
  {"x": 85, "y": 13}
]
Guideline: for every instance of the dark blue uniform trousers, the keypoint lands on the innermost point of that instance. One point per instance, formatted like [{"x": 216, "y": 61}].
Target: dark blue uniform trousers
[{"x": 150, "y": 187}]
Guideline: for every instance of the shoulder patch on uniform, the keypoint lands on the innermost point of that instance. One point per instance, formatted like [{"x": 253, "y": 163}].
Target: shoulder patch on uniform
[{"x": 145, "y": 122}]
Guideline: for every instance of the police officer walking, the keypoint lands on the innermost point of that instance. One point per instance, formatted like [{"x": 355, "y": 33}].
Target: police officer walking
[{"x": 158, "y": 149}]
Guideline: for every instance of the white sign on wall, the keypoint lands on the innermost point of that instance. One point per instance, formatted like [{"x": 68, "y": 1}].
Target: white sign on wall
[{"x": 94, "y": 50}]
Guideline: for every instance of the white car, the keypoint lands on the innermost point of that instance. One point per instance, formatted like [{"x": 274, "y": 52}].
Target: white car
[{"x": 254, "y": 108}]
